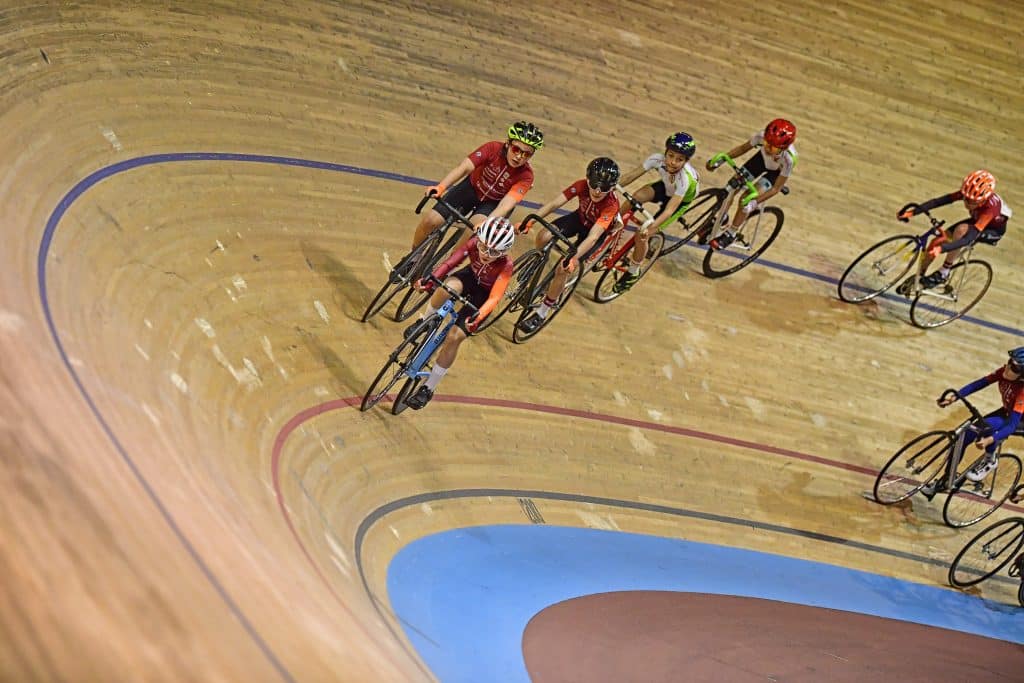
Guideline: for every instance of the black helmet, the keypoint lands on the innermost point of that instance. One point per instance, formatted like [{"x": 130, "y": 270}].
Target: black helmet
[
  {"x": 602, "y": 174},
  {"x": 682, "y": 143},
  {"x": 527, "y": 133}
]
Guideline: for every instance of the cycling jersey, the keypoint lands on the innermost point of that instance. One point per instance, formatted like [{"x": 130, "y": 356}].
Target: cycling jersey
[
  {"x": 993, "y": 213},
  {"x": 783, "y": 162},
  {"x": 1012, "y": 394},
  {"x": 493, "y": 177},
  {"x": 593, "y": 213},
  {"x": 494, "y": 274},
  {"x": 683, "y": 183}
]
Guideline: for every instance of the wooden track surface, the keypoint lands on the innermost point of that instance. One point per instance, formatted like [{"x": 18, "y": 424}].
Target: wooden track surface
[{"x": 153, "y": 530}]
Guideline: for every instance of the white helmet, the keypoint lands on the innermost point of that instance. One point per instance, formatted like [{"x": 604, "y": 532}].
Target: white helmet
[{"x": 497, "y": 233}]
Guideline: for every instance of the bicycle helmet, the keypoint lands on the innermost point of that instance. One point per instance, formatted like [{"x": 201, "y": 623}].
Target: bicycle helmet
[
  {"x": 978, "y": 186},
  {"x": 602, "y": 174},
  {"x": 497, "y": 233},
  {"x": 682, "y": 143},
  {"x": 527, "y": 133},
  {"x": 1017, "y": 356},
  {"x": 780, "y": 133}
]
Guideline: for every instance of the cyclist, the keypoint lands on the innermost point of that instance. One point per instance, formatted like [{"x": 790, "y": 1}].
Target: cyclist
[
  {"x": 597, "y": 213},
  {"x": 674, "y": 192},
  {"x": 494, "y": 178},
  {"x": 987, "y": 221},
  {"x": 775, "y": 162},
  {"x": 482, "y": 282},
  {"x": 1004, "y": 421}
]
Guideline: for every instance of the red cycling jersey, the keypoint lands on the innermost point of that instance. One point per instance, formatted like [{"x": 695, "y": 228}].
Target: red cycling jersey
[
  {"x": 1011, "y": 391},
  {"x": 593, "y": 213},
  {"x": 989, "y": 214},
  {"x": 493, "y": 178},
  {"x": 494, "y": 274}
]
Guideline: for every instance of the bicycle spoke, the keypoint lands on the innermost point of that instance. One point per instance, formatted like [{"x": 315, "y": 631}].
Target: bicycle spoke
[
  {"x": 971, "y": 502},
  {"x": 967, "y": 284},
  {"x": 987, "y": 553}
]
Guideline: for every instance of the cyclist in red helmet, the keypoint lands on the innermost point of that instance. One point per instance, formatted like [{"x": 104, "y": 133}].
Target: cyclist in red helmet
[
  {"x": 494, "y": 178},
  {"x": 775, "y": 163},
  {"x": 989, "y": 215}
]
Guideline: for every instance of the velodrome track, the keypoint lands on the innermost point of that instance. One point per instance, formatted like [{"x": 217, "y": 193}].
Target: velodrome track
[{"x": 200, "y": 199}]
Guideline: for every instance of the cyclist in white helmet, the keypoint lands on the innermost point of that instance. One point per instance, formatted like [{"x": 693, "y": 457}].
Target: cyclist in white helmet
[{"x": 482, "y": 281}]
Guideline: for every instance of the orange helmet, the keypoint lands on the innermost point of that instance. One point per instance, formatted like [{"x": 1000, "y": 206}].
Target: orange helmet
[{"x": 978, "y": 186}]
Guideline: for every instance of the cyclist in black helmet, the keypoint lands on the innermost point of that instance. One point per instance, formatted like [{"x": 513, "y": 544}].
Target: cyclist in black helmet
[
  {"x": 597, "y": 211},
  {"x": 494, "y": 178}
]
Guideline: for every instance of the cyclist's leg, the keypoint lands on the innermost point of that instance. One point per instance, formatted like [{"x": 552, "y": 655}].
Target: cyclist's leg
[
  {"x": 571, "y": 227},
  {"x": 755, "y": 166},
  {"x": 462, "y": 197},
  {"x": 655, "y": 192},
  {"x": 982, "y": 468},
  {"x": 955, "y": 232}
]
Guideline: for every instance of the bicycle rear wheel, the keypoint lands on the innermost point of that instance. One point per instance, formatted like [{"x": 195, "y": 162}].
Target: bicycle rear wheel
[
  {"x": 987, "y": 553},
  {"x": 403, "y": 274},
  {"x": 878, "y": 268},
  {"x": 697, "y": 219},
  {"x": 415, "y": 298},
  {"x": 915, "y": 465},
  {"x": 604, "y": 289},
  {"x": 974, "y": 501},
  {"x": 399, "y": 363},
  {"x": 756, "y": 235},
  {"x": 968, "y": 281},
  {"x": 523, "y": 271}
]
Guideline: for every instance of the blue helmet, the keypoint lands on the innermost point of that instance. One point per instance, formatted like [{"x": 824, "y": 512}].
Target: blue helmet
[
  {"x": 1017, "y": 356},
  {"x": 682, "y": 143}
]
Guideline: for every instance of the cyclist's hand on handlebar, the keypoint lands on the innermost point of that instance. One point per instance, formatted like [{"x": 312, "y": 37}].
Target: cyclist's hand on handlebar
[
  {"x": 524, "y": 227},
  {"x": 435, "y": 190},
  {"x": 472, "y": 322},
  {"x": 712, "y": 165},
  {"x": 945, "y": 400},
  {"x": 905, "y": 216},
  {"x": 935, "y": 249},
  {"x": 423, "y": 285},
  {"x": 750, "y": 207}
]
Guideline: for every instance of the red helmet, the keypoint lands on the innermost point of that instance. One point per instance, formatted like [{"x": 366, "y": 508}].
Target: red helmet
[
  {"x": 978, "y": 186},
  {"x": 780, "y": 133}
]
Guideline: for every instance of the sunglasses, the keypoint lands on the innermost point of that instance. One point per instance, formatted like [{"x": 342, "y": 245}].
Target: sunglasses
[
  {"x": 1015, "y": 367},
  {"x": 522, "y": 152},
  {"x": 603, "y": 187},
  {"x": 494, "y": 253}
]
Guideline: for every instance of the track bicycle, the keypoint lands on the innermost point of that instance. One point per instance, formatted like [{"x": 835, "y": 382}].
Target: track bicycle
[
  {"x": 418, "y": 262},
  {"x": 994, "y": 548},
  {"x": 411, "y": 359},
  {"x": 935, "y": 462},
  {"x": 753, "y": 238},
  {"x": 885, "y": 264},
  {"x": 616, "y": 252}
]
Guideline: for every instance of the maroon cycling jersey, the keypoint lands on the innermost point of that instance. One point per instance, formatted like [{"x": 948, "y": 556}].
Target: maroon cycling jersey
[
  {"x": 589, "y": 211},
  {"x": 989, "y": 214},
  {"x": 486, "y": 272},
  {"x": 1011, "y": 391},
  {"x": 493, "y": 177}
]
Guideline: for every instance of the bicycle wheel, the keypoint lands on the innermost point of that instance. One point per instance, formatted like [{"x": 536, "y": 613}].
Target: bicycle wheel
[
  {"x": 878, "y": 269},
  {"x": 968, "y": 282},
  {"x": 604, "y": 289},
  {"x": 916, "y": 464},
  {"x": 1020, "y": 593},
  {"x": 519, "y": 336},
  {"x": 974, "y": 501},
  {"x": 399, "y": 363},
  {"x": 407, "y": 390},
  {"x": 523, "y": 270},
  {"x": 987, "y": 553},
  {"x": 415, "y": 298},
  {"x": 756, "y": 235},
  {"x": 696, "y": 219},
  {"x": 403, "y": 274}
]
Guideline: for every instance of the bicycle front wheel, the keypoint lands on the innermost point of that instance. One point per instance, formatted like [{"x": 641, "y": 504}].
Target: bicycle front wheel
[
  {"x": 987, "y": 553},
  {"x": 415, "y": 298},
  {"x": 604, "y": 290},
  {"x": 696, "y": 220},
  {"x": 523, "y": 271},
  {"x": 530, "y": 304},
  {"x": 400, "y": 363},
  {"x": 968, "y": 281},
  {"x": 915, "y": 465},
  {"x": 756, "y": 235},
  {"x": 974, "y": 501},
  {"x": 878, "y": 269}
]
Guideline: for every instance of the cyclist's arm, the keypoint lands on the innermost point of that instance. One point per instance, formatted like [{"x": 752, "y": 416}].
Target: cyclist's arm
[
  {"x": 671, "y": 206},
  {"x": 596, "y": 231},
  {"x": 457, "y": 257},
  {"x": 980, "y": 383},
  {"x": 1011, "y": 424},
  {"x": 458, "y": 173},
  {"x": 742, "y": 148},
  {"x": 497, "y": 291},
  {"x": 776, "y": 188},
  {"x": 629, "y": 177},
  {"x": 944, "y": 200},
  {"x": 513, "y": 197},
  {"x": 555, "y": 203},
  {"x": 969, "y": 237}
]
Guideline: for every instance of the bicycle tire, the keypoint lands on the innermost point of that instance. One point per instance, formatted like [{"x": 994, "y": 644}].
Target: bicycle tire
[
  {"x": 410, "y": 386},
  {"x": 987, "y": 553},
  {"x": 604, "y": 289},
  {"x": 402, "y": 275},
  {"x": 414, "y": 298},
  {"x": 521, "y": 337},
  {"x": 921, "y": 466},
  {"x": 928, "y": 316},
  {"x": 399, "y": 362},
  {"x": 891, "y": 259},
  {"x": 1020, "y": 593},
  {"x": 697, "y": 218},
  {"x": 716, "y": 261},
  {"x": 974, "y": 501},
  {"x": 523, "y": 270}
]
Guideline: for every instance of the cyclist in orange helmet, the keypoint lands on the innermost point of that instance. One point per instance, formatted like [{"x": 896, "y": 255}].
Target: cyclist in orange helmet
[
  {"x": 775, "y": 162},
  {"x": 987, "y": 221}
]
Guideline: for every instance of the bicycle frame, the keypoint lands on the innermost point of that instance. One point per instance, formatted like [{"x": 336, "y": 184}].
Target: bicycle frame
[
  {"x": 952, "y": 481},
  {"x": 742, "y": 178},
  {"x": 448, "y": 312},
  {"x": 610, "y": 246}
]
